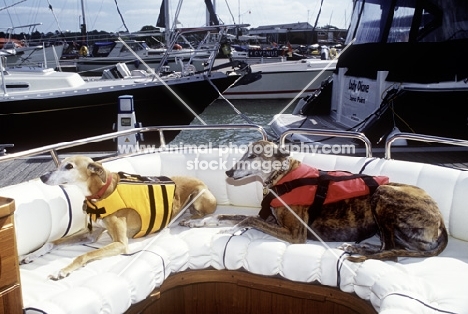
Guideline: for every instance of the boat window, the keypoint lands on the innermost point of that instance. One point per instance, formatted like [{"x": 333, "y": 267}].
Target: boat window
[
  {"x": 379, "y": 21},
  {"x": 401, "y": 23},
  {"x": 102, "y": 49},
  {"x": 453, "y": 21},
  {"x": 133, "y": 46},
  {"x": 365, "y": 22},
  {"x": 17, "y": 86}
]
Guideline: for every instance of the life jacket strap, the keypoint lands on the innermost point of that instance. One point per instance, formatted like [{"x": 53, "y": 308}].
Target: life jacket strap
[{"x": 322, "y": 182}]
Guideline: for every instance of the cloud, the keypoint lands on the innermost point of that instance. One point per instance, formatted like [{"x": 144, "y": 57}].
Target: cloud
[{"x": 103, "y": 15}]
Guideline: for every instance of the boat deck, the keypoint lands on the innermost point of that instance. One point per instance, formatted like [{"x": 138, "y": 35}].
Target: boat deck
[
  {"x": 24, "y": 169},
  {"x": 21, "y": 170}
]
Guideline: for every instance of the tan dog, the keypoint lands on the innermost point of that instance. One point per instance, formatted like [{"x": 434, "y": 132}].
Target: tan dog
[
  {"x": 96, "y": 181},
  {"x": 405, "y": 217}
]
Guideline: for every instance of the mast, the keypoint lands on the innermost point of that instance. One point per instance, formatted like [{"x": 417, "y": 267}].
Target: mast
[
  {"x": 83, "y": 25},
  {"x": 167, "y": 26},
  {"x": 211, "y": 18}
]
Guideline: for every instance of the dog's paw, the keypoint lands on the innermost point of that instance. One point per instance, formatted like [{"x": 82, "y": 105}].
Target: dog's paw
[
  {"x": 29, "y": 258},
  {"x": 347, "y": 247},
  {"x": 59, "y": 275},
  {"x": 208, "y": 221},
  {"x": 360, "y": 248}
]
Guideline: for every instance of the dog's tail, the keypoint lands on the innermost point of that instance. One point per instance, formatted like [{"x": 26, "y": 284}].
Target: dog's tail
[{"x": 442, "y": 241}]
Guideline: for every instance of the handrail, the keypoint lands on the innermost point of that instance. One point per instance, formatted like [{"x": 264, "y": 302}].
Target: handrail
[
  {"x": 3, "y": 63},
  {"x": 53, "y": 148},
  {"x": 332, "y": 133},
  {"x": 420, "y": 138}
]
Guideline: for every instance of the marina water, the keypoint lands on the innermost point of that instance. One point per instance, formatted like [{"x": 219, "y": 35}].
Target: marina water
[{"x": 258, "y": 112}]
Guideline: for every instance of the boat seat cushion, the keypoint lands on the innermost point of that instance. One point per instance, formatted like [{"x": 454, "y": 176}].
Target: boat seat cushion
[
  {"x": 111, "y": 285},
  {"x": 44, "y": 213}
]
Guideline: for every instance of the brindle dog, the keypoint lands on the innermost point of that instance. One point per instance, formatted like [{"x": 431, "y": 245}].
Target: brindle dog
[{"x": 405, "y": 217}]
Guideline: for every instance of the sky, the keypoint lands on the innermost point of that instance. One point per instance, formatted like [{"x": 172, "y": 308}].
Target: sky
[{"x": 102, "y": 15}]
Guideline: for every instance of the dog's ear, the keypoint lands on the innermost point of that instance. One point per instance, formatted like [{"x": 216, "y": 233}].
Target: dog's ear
[
  {"x": 282, "y": 152},
  {"x": 98, "y": 169}
]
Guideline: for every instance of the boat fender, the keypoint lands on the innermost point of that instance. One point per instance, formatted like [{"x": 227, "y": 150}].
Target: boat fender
[
  {"x": 84, "y": 51},
  {"x": 226, "y": 47}
]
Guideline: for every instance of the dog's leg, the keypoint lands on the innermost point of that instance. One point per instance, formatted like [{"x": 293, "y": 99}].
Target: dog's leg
[
  {"x": 290, "y": 230},
  {"x": 81, "y": 237},
  {"x": 117, "y": 228},
  {"x": 360, "y": 248}
]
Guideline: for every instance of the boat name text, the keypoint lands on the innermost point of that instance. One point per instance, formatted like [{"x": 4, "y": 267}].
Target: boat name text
[
  {"x": 356, "y": 87},
  {"x": 273, "y": 53}
]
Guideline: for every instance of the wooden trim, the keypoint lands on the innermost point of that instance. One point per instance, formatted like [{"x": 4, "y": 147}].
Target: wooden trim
[
  {"x": 225, "y": 291},
  {"x": 10, "y": 289},
  {"x": 7, "y": 206}
]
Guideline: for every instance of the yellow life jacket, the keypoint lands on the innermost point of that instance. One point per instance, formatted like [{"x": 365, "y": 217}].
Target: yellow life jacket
[{"x": 151, "y": 197}]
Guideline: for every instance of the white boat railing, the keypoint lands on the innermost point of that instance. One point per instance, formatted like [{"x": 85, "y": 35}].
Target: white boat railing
[{"x": 53, "y": 148}]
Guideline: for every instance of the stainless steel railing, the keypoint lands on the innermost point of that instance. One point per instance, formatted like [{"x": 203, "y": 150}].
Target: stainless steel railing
[
  {"x": 420, "y": 138},
  {"x": 329, "y": 133},
  {"x": 53, "y": 148}
]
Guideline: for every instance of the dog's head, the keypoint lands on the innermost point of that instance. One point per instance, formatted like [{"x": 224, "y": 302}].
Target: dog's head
[
  {"x": 263, "y": 159},
  {"x": 81, "y": 171}
]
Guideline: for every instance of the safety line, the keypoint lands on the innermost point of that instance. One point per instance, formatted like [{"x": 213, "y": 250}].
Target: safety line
[{"x": 163, "y": 82}]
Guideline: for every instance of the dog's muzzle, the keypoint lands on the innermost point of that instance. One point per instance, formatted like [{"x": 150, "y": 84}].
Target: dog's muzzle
[
  {"x": 45, "y": 177},
  {"x": 230, "y": 173}
]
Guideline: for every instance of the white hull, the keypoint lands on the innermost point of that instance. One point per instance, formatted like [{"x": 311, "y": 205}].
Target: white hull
[
  {"x": 31, "y": 56},
  {"x": 284, "y": 79}
]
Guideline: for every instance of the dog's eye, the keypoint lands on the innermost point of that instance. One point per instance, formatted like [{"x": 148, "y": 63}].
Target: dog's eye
[{"x": 68, "y": 166}]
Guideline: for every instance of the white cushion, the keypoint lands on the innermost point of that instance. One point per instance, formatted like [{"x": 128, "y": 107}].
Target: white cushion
[{"x": 413, "y": 285}]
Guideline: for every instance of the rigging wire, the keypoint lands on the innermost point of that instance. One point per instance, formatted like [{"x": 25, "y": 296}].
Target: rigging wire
[
  {"x": 5, "y": 8},
  {"x": 121, "y": 17},
  {"x": 11, "y": 5},
  {"x": 97, "y": 16},
  {"x": 230, "y": 12},
  {"x": 55, "y": 17}
]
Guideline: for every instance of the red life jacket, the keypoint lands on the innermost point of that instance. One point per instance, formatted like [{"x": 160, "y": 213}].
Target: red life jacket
[{"x": 312, "y": 187}]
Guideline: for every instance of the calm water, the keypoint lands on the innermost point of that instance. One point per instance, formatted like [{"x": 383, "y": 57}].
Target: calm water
[{"x": 258, "y": 112}]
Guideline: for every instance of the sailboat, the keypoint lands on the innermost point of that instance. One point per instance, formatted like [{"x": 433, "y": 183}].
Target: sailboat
[
  {"x": 28, "y": 54},
  {"x": 104, "y": 55}
]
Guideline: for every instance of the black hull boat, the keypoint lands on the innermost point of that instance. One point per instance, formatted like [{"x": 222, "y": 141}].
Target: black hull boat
[
  {"x": 90, "y": 108},
  {"x": 404, "y": 70},
  {"x": 42, "y": 106}
]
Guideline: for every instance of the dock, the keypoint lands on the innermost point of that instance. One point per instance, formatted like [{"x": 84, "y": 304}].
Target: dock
[{"x": 29, "y": 168}]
